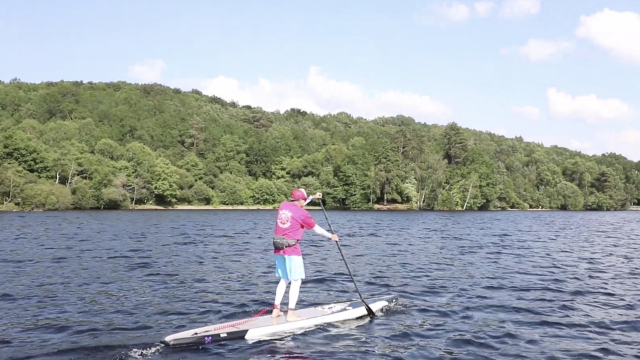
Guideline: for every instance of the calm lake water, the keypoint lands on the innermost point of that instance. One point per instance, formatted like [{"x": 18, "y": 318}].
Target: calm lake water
[{"x": 471, "y": 285}]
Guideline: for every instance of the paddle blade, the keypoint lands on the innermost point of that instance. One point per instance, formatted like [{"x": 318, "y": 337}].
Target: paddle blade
[{"x": 371, "y": 313}]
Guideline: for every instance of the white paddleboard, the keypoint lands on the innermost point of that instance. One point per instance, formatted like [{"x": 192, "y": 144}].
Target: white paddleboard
[{"x": 259, "y": 327}]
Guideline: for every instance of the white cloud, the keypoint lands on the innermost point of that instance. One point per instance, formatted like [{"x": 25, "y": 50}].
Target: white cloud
[
  {"x": 540, "y": 49},
  {"x": 580, "y": 145},
  {"x": 148, "y": 71},
  {"x": 588, "y": 107},
  {"x": 484, "y": 8},
  {"x": 519, "y": 8},
  {"x": 625, "y": 142},
  {"x": 529, "y": 112},
  {"x": 616, "y": 32},
  {"x": 455, "y": 12},
  {"x": 321, "y": 95}
]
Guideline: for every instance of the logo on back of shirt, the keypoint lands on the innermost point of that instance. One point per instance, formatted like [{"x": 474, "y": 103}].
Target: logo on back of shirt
[{"x": 284, "y": 219}]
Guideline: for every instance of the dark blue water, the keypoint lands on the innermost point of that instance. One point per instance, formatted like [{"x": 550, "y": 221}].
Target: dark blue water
[{"x": 472, "y": 285}]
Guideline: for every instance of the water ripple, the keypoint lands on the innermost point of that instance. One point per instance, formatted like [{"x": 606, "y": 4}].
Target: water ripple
[{"x": 472, "y": 285}]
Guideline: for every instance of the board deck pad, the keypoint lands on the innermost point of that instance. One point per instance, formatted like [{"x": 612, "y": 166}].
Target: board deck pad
[{"x": 255, "y": 328}]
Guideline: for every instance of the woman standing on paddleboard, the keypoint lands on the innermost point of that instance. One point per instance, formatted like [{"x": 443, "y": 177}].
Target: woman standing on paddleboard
[{"x": 291, "y": 222}]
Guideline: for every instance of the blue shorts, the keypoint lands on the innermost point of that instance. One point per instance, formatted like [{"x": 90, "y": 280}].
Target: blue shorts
[{"x": 289, "y": 267}]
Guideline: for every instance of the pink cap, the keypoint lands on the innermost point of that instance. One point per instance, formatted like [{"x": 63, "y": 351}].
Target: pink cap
[{"x": 299, "y": 194}]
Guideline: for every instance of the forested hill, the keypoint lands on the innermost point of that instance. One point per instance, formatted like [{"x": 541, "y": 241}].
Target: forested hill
[{"x": 114, "y": 145}]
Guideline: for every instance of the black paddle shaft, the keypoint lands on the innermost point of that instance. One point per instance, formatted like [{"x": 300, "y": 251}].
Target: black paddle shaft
[{"x": 370, "y": 312}]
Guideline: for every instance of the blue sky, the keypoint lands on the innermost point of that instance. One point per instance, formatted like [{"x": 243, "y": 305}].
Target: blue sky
[{"x": 563, "y": 72}]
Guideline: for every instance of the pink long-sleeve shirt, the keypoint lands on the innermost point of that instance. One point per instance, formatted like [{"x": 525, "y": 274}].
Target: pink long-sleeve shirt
[{"x": 291, "y": 223}]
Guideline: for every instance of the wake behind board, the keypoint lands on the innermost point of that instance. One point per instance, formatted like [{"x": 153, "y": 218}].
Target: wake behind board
[{"x": 256, "y": 328}]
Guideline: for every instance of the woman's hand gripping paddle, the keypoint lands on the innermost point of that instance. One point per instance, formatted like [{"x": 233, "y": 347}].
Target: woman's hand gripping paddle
[{"x": 370, "y": 312}]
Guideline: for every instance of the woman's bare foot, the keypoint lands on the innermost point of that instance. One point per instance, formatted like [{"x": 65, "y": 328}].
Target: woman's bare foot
[
  {"x": 291, "y": 316},
  {"x": 276, "y": 313}
]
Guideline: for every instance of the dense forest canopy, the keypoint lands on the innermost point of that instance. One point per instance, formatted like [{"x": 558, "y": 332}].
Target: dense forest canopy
[{"x": 115, "y": 145}]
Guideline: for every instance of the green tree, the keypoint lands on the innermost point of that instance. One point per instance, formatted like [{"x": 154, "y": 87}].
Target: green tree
[
  {"x": 264, "y": 192},
  {"x": 228, "y": 156},
  {"x": 164, "y": 183},
  {"x": 609, "y": 184},
  {"x": 455, "y": 143},
  {"x": 47, "y": 196},
  {"x": 84, "y": 196},
  {"x": 13, "y": 178},
  {"x": 193, "y": 165},
  {"x": 25, "y": 151},
  {"x": 571, "y": 198},
  {"x": 199, "y": 194},
  {"x": 232, "y": 190},
  {"x": 109, "y": 149},
  {"x": 387, "y": 169},
  {"x": 115, "y": 196},
  {"x": 100, "y": 145},
  {"x": 141, "y": 158}
]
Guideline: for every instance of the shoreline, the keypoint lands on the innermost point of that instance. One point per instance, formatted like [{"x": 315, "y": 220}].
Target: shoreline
[
  {"x": 395, "y": 207},
  {"x": 377, "y": 207},
  {"x": 204, "y": 207}
]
